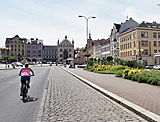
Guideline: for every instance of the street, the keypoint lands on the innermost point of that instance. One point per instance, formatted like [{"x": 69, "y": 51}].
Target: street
[
  {"x": 12, "y": 107},
  {"x": 60, "y": 97}
]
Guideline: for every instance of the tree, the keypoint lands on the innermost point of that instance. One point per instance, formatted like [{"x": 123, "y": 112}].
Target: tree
[
  {"x": 91, "y": 59},
  {"x": 109, "y": 58}
]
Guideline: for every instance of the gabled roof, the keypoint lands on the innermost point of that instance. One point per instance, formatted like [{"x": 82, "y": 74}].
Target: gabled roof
[
  {"x": 118, "y": 26},
  {"x": 127, "y": 25}
]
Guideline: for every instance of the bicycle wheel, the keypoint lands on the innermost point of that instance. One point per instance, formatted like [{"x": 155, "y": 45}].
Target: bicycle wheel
[{"x": 24, "y": 95}]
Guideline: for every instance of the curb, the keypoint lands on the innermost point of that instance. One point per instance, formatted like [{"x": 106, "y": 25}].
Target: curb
[{"x": 145, "y": 114}]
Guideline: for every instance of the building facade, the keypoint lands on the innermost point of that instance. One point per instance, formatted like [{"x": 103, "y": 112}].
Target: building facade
[
  {"x": 49, "y": 53},
  {"x": 16, "y": 46},
  {"x": 105, "y": 48},
  {"x": 34, "y": 49},
  {"x": 141, "y": 43},
  {"x": 114, "y": 38},
  {"x": 65, "y": 50}
]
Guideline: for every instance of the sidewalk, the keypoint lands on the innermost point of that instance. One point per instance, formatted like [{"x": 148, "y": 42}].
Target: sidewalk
[
  {"x": 142, "y": 98},
  {"x": 5, "y": 67}
]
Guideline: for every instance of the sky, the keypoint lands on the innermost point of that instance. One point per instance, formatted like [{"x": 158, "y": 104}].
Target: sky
[{"x": 51, "y": 20}]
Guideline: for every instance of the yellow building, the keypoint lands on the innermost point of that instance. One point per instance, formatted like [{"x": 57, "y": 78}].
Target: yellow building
[
  {"x": 141, "y": 42},
  {"x": 17, "y": 46}
]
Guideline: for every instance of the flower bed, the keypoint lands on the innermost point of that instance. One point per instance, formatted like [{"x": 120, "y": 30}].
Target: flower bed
[{"x": 139, "y": 75}]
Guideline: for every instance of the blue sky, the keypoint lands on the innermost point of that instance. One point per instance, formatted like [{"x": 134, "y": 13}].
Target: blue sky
[{"x": 53, "y": 19}]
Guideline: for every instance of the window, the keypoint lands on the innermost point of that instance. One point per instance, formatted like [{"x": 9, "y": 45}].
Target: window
[
  {"x": 34, "y": 47},
  {"x": 154, "y": 35},
  {"x": 70, "y": 50},
  {"x": 28, "y": 51},
  {"x": 146, "y": 43},
  {"x": 126, "y": 46},
  {"x": 155, "y": 51},
  {"x": 39, "y": 55},
  {"x": 159, "y": 51},
  {"x": 34, "y": 51},
  {"x": 39, "y": 51},
  {"x": 39, "y": 47},
  {"x": 61, "y": 50},
  {"x": 28, "y": 55},
  {"x": 18, "y": 45},
  {"x": 28, "y": 47},
  {"x": 134, "y": 52},
  {"x": 145, "y": 52},
  {"x": 142, "y": 43},
  {"x": 15, "y": 49},
  {"x": 144, "y": 34},
  {"x": 15, "y": 45},
  {"x": 70, "y": 55},
  {"x": 11, "y": 45},
  {"x": 18, "y": 49},
  {"x": 19, "y": 54},
  {"x": 155, "y": 61},
  {"x": 159, "y": 44},
  {"x": 158, "y": 35},
  {"x": 155, "y": 43},
  {"x": 134, "y": 43},
  {"x": 60, "y": 55},
  {"x": 130, "y": 45},
  {"x": 134, "y": 35}
]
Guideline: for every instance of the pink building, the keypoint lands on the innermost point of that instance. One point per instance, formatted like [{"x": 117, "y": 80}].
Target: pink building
[{"x": 34, "y": 49}]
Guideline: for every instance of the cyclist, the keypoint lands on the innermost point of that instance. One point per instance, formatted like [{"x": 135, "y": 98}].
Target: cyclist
[{"x": 25, "y": 75}]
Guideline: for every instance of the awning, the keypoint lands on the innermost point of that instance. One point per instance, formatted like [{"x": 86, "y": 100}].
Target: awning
[{"x": 70, "y": 59}]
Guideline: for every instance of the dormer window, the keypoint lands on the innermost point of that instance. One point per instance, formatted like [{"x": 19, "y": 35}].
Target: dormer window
[{"x": 28, "y": 42}]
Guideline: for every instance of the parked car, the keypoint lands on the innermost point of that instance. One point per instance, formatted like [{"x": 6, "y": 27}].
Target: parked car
[
  {"x": 157, "y": 67},
  {"x": 17, "y": 64},
  {"x": 149, "y": 67}
]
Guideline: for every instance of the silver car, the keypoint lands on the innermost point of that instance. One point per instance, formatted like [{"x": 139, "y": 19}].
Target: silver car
[
  {"x": 156, "y": 67},
  {"x": 17, "y": 64}
]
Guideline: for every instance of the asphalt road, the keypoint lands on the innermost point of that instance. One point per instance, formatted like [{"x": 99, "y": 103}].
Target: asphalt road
[{"x": 12, "y": 108}]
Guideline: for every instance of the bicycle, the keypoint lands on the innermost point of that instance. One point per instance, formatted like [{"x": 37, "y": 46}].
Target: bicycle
[{"x": 25, "y": 95}]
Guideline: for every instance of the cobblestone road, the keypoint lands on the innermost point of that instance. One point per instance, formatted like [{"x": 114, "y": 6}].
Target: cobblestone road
[{"x": 67, "y": 99}]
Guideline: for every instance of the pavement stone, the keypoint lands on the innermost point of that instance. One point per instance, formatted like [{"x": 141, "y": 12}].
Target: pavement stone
[{"x": 68, "y": 99}]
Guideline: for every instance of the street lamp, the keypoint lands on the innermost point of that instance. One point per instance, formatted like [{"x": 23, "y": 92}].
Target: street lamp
[
  {"x": 87, "y": 30},
  {"x": 140, "y": 49},
  {"x": 87, "y": 23}
]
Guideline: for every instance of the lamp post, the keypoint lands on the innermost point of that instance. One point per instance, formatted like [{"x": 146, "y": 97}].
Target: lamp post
[
  {"x": 87, "y": 18},
  {"x": 87, "y": 23},
  {"x": 140, "y": 49}
]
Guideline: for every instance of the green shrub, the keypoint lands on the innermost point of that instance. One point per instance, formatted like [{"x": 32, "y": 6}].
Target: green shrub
[{"x": 119, "y": 73}]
